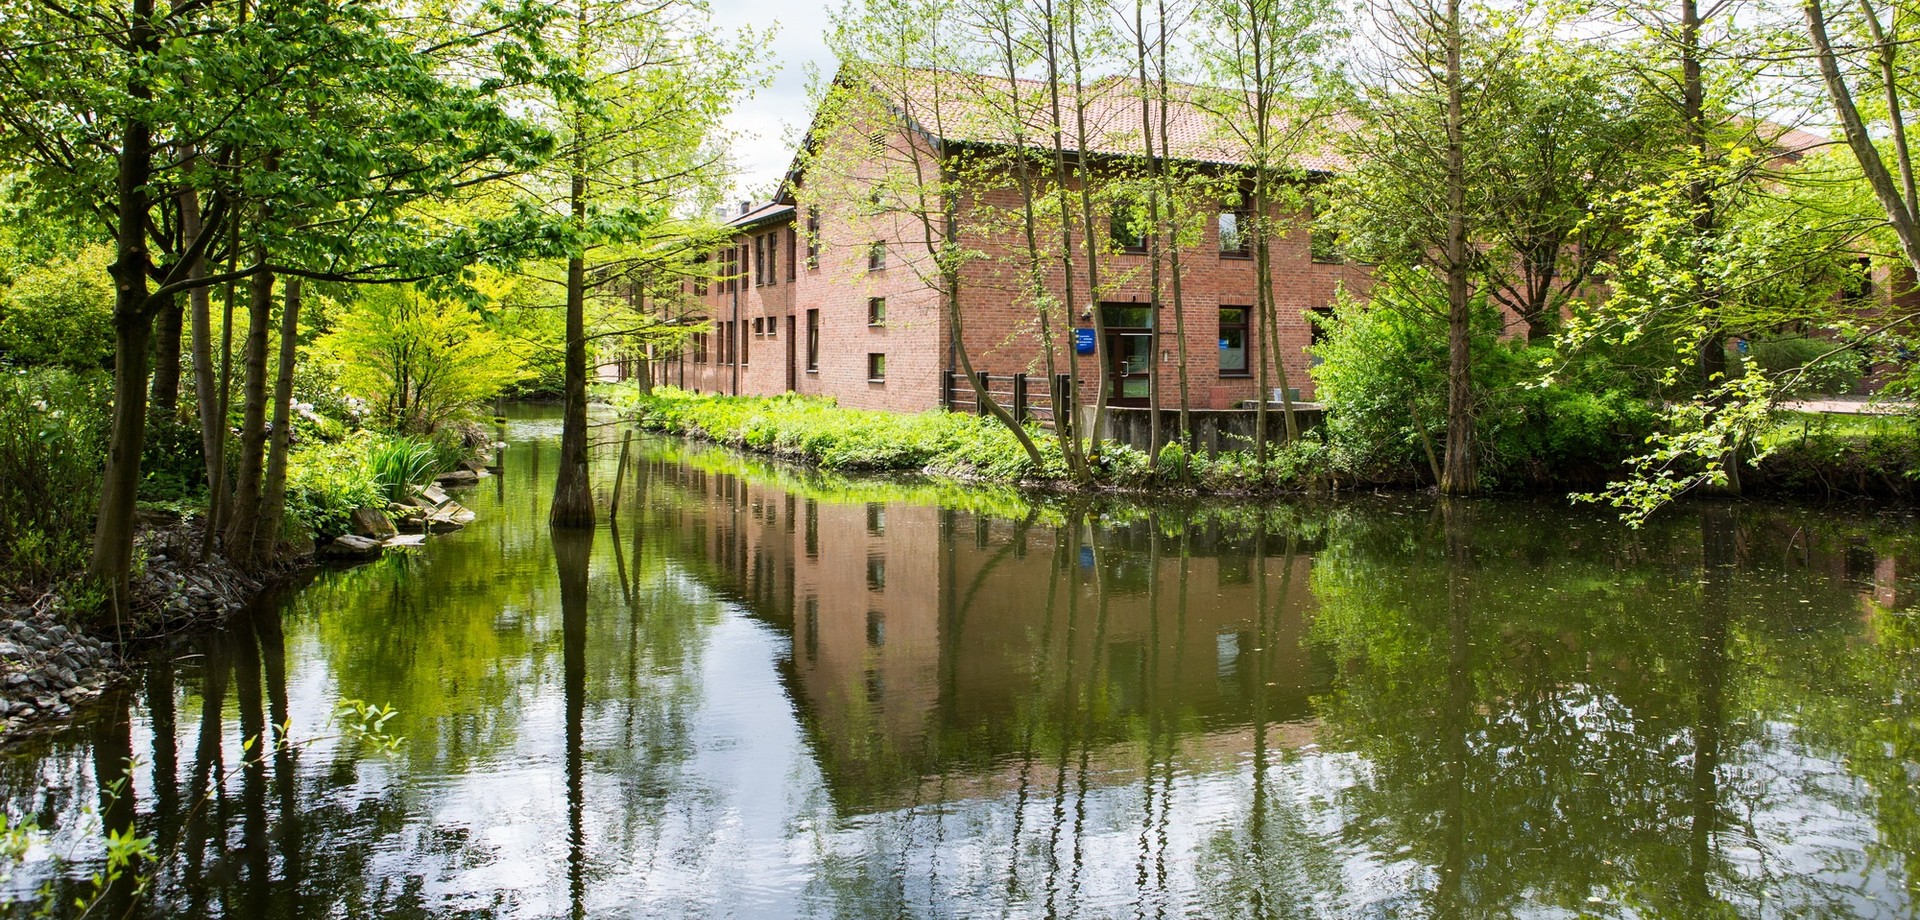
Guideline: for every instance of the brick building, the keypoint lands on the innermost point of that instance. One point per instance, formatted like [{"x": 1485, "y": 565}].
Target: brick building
[{"x": 831, "y": 290}]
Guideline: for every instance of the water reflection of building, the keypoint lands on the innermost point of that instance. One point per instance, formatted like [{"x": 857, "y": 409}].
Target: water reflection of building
[{"x": 928, "y": 641}]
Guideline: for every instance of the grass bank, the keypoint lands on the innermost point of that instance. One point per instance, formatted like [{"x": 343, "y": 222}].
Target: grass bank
[
  {"x": 818, "y": 432},
  {"x": 1809, "y": 455}
]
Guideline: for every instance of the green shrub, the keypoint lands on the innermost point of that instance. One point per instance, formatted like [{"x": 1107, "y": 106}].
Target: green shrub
[
  {"x": 171, "y": 464},
  {"x": 60, "y": 313},
  {"x": 1383, "y": 379},
  {"x": 53, "y": 427},
  {"x": 399, "y": 464},
  {"x": 327, "y": 481},
  {"x": 1825, "y": 372}
]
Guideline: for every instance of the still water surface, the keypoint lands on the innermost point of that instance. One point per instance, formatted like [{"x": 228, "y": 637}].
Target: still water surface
[{"x": 765, "y": 693}]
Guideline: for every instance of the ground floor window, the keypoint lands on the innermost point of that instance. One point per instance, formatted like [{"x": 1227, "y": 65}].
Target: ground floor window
[
  {"x": 876, "y": 367},
  {"x": 1233, "y": 341}
]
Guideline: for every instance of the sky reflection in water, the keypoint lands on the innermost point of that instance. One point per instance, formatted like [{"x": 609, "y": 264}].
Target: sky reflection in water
[{"x": 768, "y": 693}]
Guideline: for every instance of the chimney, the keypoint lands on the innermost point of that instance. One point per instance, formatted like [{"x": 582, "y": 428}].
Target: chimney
[{"x": 745, "y": 207}]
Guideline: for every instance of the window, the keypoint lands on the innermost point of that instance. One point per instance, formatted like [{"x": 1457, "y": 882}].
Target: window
[
  {"x": 813, "y": 238},
  {"x": 773, "y": 327},
  {"x": 793, "y": 247},
  {"x": 1318, "y": 321},
  {"x": 699, "y": 348},
  {"x": 1130, "y": 226},
  {"x": 700, "y": 276},
  {"x": 876, "y": 255},
  {"x": 1325, "y": 245},
  {"x": 1233, "y": 341},
  {"x": 876, "y": 367},
  {"x": 759, "y": 261},
  {"x": 1860, "y": 285},
  {"x": 1126, "y": 315},
  {"x": 876, "y": 311},
  {"x": 813, "y": 341},
  {"x": 746, "y": 344},
  {"x": 1235, "y": 225},
  {"x": 770, "y": 260}
]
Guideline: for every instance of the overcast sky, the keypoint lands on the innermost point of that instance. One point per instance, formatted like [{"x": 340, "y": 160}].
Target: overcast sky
[{"x": 766, "y": 120}]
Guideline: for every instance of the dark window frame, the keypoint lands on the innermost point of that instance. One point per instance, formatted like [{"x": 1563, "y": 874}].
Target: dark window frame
[
  {"x": 876, "y": 369},
  {"x": 877, "y": 256},
  {"x": 1244, "y": 326},
  {"x": 813, "y": 341},
  {"x": 876, "y": 312}
]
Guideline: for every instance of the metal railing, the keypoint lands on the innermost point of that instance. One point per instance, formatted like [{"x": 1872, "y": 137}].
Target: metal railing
[{"x": 1015, "y": 392}]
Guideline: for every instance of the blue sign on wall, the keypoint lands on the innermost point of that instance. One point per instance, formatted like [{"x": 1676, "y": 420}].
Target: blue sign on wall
[{"x": 1083, "y": 341}]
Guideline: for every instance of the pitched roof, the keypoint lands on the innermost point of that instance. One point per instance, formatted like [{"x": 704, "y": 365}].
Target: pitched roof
[{"x": 1200, "y": 121}]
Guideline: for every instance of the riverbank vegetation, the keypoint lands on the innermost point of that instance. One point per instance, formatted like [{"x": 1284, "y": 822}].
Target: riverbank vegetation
[{"x": 264, "y": 266}]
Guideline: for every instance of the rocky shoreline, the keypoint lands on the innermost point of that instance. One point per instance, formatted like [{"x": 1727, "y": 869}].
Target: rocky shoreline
[{"x": 50, "y": 669}]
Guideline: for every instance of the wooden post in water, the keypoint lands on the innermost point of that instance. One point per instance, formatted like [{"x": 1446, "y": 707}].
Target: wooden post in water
[{"x": 620, "y": 472}]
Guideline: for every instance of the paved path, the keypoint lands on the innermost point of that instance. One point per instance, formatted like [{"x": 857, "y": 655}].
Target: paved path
[{"x": 1850, "y": 405}]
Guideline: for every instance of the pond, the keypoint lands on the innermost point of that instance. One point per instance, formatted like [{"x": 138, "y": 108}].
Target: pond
[{"x": 766, "y": 692}]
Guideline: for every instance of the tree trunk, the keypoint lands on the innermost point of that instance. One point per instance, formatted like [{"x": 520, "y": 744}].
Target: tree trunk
[
  {"x": 244, "y": 512},
  {"x": 166, "y": 358},
  {"x": 273, "y": 501},
  {"x": 213, "y": 434},
  {"x": 132, "y": 334},
  {"x": 572, "y": 492},
  {"x": 1459, "y": 475}
]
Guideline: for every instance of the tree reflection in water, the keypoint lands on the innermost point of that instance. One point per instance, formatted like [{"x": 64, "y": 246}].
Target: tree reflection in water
[{"x": 784, "y": 693}]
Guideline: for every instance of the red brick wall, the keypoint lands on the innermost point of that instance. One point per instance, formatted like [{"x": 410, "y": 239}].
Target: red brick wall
[{"x": 1002, "y": 335}]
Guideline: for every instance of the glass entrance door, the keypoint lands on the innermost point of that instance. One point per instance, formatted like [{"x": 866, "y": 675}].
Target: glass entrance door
[{"x": 1132, "y": 371}]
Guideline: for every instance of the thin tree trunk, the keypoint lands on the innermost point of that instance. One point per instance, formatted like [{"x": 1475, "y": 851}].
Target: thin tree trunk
[
  {"x": 1173, "y": 247},
  {"x": 1155, "y": 168},
  {"x": 1713, "y": 345},
  {"x": 1899, "y": 209},
  {"x": 572, "y": 490},
  {"x": 244, "y": 516},
  {"x": 206, "y": 400},
  {"x": 1076, "y": 464},
  {"x": 1103, "y": 357},
  {"x": 132, "y": 331},
  {"x": 1459, "y": 478},
  {"x": 273, "y": 502}
]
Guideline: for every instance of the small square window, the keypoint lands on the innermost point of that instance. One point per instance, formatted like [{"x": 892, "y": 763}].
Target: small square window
[
  {"x": 876, "y": 367},
  {"x": 876, "y": 311},
  {"x": 876, "y": 256}
]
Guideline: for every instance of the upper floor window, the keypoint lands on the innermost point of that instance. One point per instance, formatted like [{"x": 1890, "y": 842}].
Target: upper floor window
[
  {"x": 793, "y": 249},
  {"x": 1325, "y": 245},
  {"x": 813, "y": 238},
  {"x": 876, "y": 367},
  {"x": 1131, "y": 226},
  {"x": 770, "y": 258},
  {"x": 876, "y": 255},
  {"x": 876, "y": 311},
  {"x": 1235, "y": 231}
]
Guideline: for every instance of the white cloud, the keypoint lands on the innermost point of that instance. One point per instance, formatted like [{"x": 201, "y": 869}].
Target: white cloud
[{"x": 765, "y": 121}]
